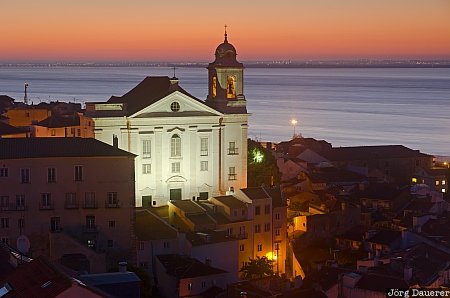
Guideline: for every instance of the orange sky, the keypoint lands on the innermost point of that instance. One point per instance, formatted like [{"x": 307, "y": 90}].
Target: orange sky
[{"x": 179, "y": 30}]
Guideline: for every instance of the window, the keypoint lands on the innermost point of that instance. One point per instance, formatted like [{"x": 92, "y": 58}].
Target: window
[
  {"x": 4, "y": 240},
  {"x": 203, "y": 146},
  {"x": 443, "y": 190},
  {"x": 146, "y": 148},
  {"x": 110, "y": 243},
  {"x": 203, "y": 195},
  {"x": 232, "y": 150},
  {"x": 277, "y": 232},
  {"x": 437, "y": 182},
  {"x": 20, "y": 202},
  {"x": 89, "y": 200},
  {"x": 257, "y": 228},
  {"x": 53, "y": 132},
  {"x": 230, "y": 231},
  {"x": 175, "y": 167},
  {"x": 166, "y": 244},
  {"x": 79, "y": 132},
  {"x": 90, "y": 222},
  {"x": 267, "y": 227},
  {"x": 277, "y": 216},
  {"x": 214, "y": 86},
  {"x": 242, "y": 230},
  {"x": 241, "y": 247},
  {"x": 203, "y": 284},
  {"x": 4, "y": 172},
  {"x": 55, "y": 224},
  {"x": 25, "y": 175},
  {"x": 267, "y": 209},
  {"x": 4, "y": 223},
  {"x": 112, "y": 223},
  {"x": 141, "y": 245},
  {"x": 257, "y": 210},
  {"x": 143, "y": 265},
  {"x": 46, "y": 201},
  {"x": 260, "y": 247},
  {"x": 231, "y": 173},
  {"x": 21, "y": 223},
  {"x": 189, "y": 286},
  {"x": 443, "y": 182},
  {"x": 146, "y": 168},
  {"x": 175, "y": 146},
  {"x": 231, "y": 87},
  {"x": 78, "y": 173},
  {"x": 4, "y": 203},
  {"x": 71, "y": 200},
  {"x": 112, "y": 200},
  {"x": 51, "y": 175},
  {"x": 175, "y": 106},
  {"x": 203, "y": 166}
]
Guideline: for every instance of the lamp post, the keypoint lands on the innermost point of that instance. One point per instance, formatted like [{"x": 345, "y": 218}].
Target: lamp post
[{"x": 294, "y": 122}]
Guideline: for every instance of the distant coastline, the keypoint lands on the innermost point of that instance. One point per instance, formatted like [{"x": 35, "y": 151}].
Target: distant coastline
[{"x": 363, "y": 63}]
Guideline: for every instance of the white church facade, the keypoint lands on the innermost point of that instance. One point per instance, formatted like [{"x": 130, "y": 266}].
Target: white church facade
[{"x": 185, "y": 147}]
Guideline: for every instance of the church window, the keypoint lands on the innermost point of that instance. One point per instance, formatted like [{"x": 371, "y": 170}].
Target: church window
[
  {"x": 214, "y": 86},
  {"x": 146, "y": 148},
  {"x": 231, "y": 173},
  {"x": 146, "y": 168},
  {"x": 204, "y": 166},
  {"x": 175, "y": 106},
  {"x": 175, "y": 167},
  {"x": 175, "y": 146},
  {"x": 231, "y": 87}
]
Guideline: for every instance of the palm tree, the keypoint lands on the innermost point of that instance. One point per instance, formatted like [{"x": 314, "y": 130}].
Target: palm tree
[{"x": 257, "y": 268}]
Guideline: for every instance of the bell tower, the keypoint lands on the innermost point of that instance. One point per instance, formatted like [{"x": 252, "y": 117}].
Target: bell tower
[{"x": 226, "y": 80}]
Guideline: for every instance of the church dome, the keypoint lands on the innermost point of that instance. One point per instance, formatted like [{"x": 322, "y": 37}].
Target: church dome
[{"x": 226, "y": 54}]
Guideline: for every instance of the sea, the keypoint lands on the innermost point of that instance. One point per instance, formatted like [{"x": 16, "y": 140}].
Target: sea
[{"x": 344, "y": 106}]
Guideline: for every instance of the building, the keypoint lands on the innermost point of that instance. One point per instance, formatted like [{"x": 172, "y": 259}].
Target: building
[
  {"x": 186, "y": 147},
  {"x": 66, "y": 125},
  {"x": 71, "y": 197}
]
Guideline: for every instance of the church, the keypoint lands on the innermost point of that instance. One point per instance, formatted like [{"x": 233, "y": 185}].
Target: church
[{"x": 185, "y": 147}]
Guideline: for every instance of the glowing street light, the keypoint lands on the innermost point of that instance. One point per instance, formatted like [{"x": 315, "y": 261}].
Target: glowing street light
[{"x": 294, "y": 122}]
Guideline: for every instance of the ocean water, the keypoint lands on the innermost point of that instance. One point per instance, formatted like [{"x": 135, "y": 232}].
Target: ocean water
[{"x": 345, "y": 106}]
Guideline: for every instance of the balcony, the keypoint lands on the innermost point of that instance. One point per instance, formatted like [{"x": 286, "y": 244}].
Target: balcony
[
  {"x": 233, "y": 151},
  {"x": 90, "y": 229},
  {"x": 112, "y": 204},
  {"x": 204, "y": 153},
  {"x": 71, "y": 205},
  {"x": 90, "y": 205},
  {"x": 231, "y": 176},
  {"x": 242, "y": 236},
  {"x": 47, "y": 206}
]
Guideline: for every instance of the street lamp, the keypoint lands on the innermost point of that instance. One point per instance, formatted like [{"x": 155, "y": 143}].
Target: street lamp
[{"x": 294, "y": 122}]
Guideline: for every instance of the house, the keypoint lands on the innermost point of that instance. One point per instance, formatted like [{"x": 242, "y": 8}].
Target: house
[
  {"x": 182, "y": 276},
  {"x": 72, "y": 197}
]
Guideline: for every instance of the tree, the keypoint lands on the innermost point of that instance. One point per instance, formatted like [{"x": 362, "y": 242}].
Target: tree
[
  {"x": 257, "y": 268},
  {"x": 261, "y": 166}
]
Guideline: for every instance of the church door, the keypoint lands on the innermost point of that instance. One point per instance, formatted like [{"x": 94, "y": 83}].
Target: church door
[{"x": 175, "y": 194}]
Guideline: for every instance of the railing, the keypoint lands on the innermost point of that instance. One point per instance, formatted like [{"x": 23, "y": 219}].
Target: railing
[
  {"x": 90, "y": 229},
  {"x": 204, "y": 153},
  {"x": 71, "y": 205},
  {"x": 12, "y": 207},
  {"x": 49, "y": 206},
  {"x": 114, "y": 204},
  {"x": 233, "y": 151},
  {"x": 231, "y": 176},
  {"x": 90, "y": 205}
]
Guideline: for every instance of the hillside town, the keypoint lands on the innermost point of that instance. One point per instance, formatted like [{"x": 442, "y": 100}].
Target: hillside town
[{"x": 156, "y": 193}]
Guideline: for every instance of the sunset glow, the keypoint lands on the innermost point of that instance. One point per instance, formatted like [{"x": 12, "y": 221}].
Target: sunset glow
[{"x": 188, "y": 31}]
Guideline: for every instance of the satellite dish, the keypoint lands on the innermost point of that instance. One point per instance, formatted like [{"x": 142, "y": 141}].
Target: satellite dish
[{"x": 23, "y": 244}]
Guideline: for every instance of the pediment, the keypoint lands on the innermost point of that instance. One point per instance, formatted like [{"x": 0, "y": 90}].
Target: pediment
[{"x": 177, "y": 104}]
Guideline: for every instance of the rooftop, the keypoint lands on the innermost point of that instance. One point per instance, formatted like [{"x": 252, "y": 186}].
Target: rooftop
[
  {"x": 186, "y": 267},
  {"x": 56, "y": 121},
  {"x": 385, "y": 237},
  {"x": 188, "y": 206},
  {"x": 231, "y": 201},
  {"x": 6, "y": 129},
  {"x": 255, "y": 193},
  {"x": 371, "y": 152},
  {"x": 19, "y": 148},
  {"x": 150, "y": 227}
]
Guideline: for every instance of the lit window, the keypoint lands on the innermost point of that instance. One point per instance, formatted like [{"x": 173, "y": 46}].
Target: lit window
[
  {"x": 175, "y": 106},
  {"x": 443, "y": 190},
  {"x": 414, "y": 180},
  {"x": 231, "y": 87},
  {"x": 257, "y": 228},
  {"x": 146, "y": 168},
  {"x": 241, "y": 247},
  {"x": 277, "y": 232},
  {"x": 437, "y": 182},
  {"x": 175, "y": 146},
  {"x": 260, "y": 247},
  {"x": 4, "y": 223},
  {"x": 146, "y": 148},
  {"x": 214, "y": 86},
  {"x": 203, "y": 146},
  {"x": 443, "y": 182},
  {"x": 267, "y": 227},
  {"x": 189, "y": 286},
  {"x": 175, "y": 167},
  {"x": 203, "y": 166}
]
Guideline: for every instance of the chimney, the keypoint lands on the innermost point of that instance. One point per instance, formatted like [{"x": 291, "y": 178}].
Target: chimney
[
  {"x": 230, "y": 191},
  {"x": 123, "y": 266}
]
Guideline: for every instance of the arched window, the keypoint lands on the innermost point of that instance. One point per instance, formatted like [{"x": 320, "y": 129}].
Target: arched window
[
  {"x": 175, "y": 146},
  {"x": 214, "y": 86},
  {"x": 231, "y": 87}
]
